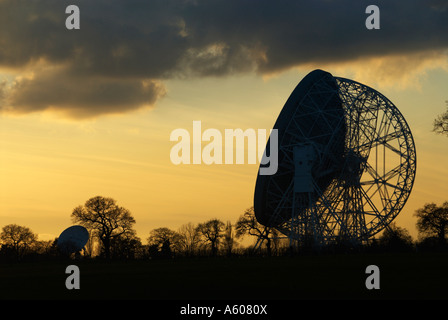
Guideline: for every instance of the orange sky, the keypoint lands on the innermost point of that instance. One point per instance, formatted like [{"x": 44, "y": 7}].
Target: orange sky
[
  {"x": 89, "y": 112},
  {"x": 49, "y": 165}
]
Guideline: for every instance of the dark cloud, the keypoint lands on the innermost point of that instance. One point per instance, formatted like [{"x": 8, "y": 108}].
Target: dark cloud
[
  {"x": 80, "y": 97},
  {"x": 124, "y": 44}
]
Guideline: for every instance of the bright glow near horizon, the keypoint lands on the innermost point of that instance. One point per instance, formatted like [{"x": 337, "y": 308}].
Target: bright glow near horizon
[{"x": 49, "y": 165}]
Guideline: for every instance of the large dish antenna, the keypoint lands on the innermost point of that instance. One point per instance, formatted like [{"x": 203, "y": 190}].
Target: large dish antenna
[
  {"x": 73, "y": 239},
  {"x": 346, "y": 163}
]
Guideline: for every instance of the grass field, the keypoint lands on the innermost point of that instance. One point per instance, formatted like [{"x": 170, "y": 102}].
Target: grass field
[{"x": 402, "y": 276}]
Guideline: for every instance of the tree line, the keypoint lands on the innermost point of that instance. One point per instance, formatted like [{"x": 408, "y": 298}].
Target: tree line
[{"x": 112, "y": 236}]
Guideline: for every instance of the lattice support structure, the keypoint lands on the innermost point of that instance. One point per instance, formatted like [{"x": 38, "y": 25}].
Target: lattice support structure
[{"x": 362, "y": 167}]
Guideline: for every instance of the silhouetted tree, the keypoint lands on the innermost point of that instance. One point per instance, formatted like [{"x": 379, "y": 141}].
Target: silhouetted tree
[
  {"x": 126, "y": 246},
  {"x": 189, "y": 238},
  {"x": 165, "y": 250},
  {"x": 19, "y": 238},
  {"x": 153, "y": 251},
  {"x": 433, "y": 221},
  {"x": 396, "y": 238},
  {"x": 211, "y": 232},
  {"x": 42, "y": 247},
  {"x": 106, "y": 218},
  {"x": 441, "y": 123},
  {"x": 165, "y": 239},
  {"x": 248, "y": 224}
]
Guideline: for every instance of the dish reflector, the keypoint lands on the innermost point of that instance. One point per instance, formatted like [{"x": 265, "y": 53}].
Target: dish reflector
[
  {"x": 73, "y": 239},
  {"x": 310, "y": 125},
  {"x": 346, "y": 163}
]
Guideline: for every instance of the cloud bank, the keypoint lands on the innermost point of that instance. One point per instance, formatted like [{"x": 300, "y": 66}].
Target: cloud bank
[{"x": 125, "y": 49}]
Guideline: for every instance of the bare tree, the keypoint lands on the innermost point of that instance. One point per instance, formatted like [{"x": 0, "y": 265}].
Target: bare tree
[
  {"x": 441, "y": 122},
  {"x": 19, "y": 238},
  {"x": 189, "y": 238},
  {"x": 248, "y": 224},
  {"x": 106, "y": 218},
  {"x": 211, "y": 232}
]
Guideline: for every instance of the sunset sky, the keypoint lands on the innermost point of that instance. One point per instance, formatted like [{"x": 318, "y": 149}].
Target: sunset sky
[{"x": 89, "y": 112}]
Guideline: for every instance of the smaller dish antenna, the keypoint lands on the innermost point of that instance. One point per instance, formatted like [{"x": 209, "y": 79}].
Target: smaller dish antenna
[{"x": 73, "y": 239}]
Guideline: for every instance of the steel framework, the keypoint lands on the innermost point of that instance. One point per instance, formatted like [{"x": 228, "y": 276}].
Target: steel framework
[{"x": 355, "y": 167}]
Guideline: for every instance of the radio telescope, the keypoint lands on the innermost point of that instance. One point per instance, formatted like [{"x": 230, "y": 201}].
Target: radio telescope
[
  {"x": 73, "y": 239},
  {"x": 346, "y": 163}
]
